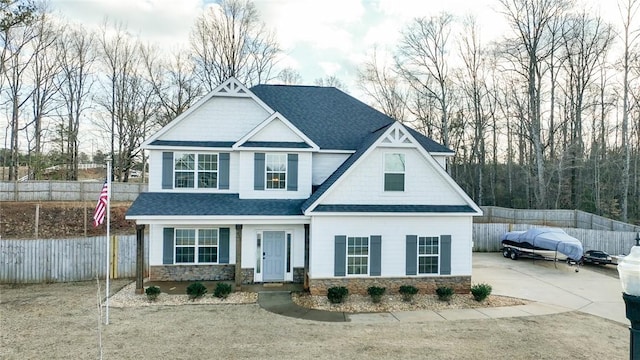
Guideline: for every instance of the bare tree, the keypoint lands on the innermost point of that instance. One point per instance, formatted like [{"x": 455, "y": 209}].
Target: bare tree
[
  {"x": 230, "y": 40},
  {"x": 379, "y": 82},
  {"x": 529, "y": 19},
  {"x": 77, "y": 53},
  {"x": 331, "y": 81},
  {"x": 628, "y": 10},
  {"x": 173, "y": 82},
  {"x": 290, "y": 76},
  {"x": 16, "y": 60},
  {"x": 423, "y": 62}
]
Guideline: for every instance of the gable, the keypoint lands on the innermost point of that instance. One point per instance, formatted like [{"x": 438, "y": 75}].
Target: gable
[
  {"x": 360, "y": 180},
  {"x": 220, "y": 119},
  {"x": 276, "y": 130},
  {"x": 364, "y": 184}
]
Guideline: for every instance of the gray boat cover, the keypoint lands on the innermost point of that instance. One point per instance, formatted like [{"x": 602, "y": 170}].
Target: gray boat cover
[{"x": 550, "y": 239}]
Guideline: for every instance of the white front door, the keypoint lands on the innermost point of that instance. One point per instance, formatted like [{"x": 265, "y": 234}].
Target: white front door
[{"x": 273, "y": 259}]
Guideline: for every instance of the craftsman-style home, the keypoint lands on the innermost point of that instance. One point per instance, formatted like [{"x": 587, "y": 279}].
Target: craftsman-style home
[{"x": 302, "y": 184}]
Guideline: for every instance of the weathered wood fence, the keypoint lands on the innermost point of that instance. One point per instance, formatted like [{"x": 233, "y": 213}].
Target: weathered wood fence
[
  {"x": 64, "y": 260},
  {"x": 51, "y": 190},
  {"x": 557, "y": 218},
  {"x": 486, "y": 238}
]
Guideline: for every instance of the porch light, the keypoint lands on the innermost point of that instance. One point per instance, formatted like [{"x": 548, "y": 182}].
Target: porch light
[{"x": 629, "y": 271}]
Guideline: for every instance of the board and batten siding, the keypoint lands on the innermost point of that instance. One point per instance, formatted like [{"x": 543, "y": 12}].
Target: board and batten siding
[
  {"x": 365, "y": 181},
  {"x": 65, "y": 260},
  {"x": 393, "y": 232}
]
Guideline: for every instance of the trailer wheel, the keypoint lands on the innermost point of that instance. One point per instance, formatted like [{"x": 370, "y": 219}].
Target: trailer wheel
[
  {"x": 506, "y": 252},
  {"x": 513, "y": 255}
]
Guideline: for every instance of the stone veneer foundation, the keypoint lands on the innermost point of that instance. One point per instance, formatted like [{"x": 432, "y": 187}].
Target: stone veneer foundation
[
  {"x": 192, "y": 272},
  {"x": 425, "y": 285}
]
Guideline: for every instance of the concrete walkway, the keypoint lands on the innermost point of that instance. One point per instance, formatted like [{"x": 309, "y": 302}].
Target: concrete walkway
[{"x": 552, "y": 288}]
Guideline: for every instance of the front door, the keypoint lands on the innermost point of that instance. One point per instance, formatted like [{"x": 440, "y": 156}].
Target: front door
[{"x": 273, "y": 255}]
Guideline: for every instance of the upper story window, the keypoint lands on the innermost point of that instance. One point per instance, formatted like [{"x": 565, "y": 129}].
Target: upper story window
[
  {"x": 394, "y": 171},
  {"x": 196, "y": 170},
  {"x": 276, "y": 171}
]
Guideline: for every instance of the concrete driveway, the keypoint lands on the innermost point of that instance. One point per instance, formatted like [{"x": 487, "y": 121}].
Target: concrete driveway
[{"x": 592, "y": 290}]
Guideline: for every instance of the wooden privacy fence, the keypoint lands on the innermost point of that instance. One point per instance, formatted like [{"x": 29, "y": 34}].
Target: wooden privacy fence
[
  {"x": 557, "y": 218},
  {"x": 63, "y": 260},
  {"x": 486, "y": 238},
  {"x": 66, "y": 190}
]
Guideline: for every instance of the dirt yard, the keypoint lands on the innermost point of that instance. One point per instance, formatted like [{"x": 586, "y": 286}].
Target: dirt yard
[
  {"x": 58, "y": 220},
  {"x": 60, "y": 321}
]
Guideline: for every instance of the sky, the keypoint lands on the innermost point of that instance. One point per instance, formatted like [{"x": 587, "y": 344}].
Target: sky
[{"x": 319, "y": 37}]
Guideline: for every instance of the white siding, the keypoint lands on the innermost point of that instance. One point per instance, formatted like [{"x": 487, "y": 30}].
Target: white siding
[
  {"x": 156, "y": 241},
  {"x": 246, "y": 175},
  {"x": 442, "y": 161},
  {"x": 276, "y": 130},
  {"x": 155, "y": 170},
  {"x": 393, "y": 231},
  {"x": 325, "y": 164},
  {"x": 365, "y": 183},
  {"x": 219, "y": 119}
]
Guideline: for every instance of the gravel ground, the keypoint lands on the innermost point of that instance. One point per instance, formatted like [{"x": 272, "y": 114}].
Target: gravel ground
[{"x": 60, "y": 321}]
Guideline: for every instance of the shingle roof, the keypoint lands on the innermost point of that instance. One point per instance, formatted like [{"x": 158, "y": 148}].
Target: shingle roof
[
  {"x": 329, "y": 117},
  {"x": 395, "y": 208},
  {"x": 369, "y": 140},
  {"x": 277, "y": 144},
  {"x": 195, "y": 204}
]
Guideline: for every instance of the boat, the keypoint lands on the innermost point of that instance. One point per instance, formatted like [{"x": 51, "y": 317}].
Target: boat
[{"x": 547, "y": 243}]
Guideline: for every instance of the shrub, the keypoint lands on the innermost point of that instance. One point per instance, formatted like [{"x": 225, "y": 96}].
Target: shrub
[
  {"x": 480, "y": 291},
  {"x": 444, "y": 293},
  {"x": 196, "y": 290},
  {"x": 376, "y": 293},
  {"x": 222, "y": 290},
  {"x": 408, "y": 291},
  {"x": 337, "y": 294},
  {"x": 152, "y": 292}
]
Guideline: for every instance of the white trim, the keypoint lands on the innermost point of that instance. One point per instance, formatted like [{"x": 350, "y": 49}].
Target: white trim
[
  {"x": 439, "y": 170},
  {"x": 275, "y": 116},
  {"x": 189, "y": 148},
  {"x": 334, "y": 151},
  {"x": 246, "y": 93},
  {"x": 219, "y": 220},
  {"x": 391, "y": 214}
]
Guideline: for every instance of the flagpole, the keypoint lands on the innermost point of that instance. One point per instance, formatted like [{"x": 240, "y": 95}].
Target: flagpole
[{"x": 106, "y": 321}]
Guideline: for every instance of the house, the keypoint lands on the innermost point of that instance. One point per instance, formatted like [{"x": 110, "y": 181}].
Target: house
[{"x": 301, "y": 184}]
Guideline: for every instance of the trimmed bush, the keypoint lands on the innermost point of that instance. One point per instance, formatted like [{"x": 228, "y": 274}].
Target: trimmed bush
[
  {"x": 480, "y": 291},
  {"x": 222, "y": 290},
  {"x": 337, "y": 294},
  {"x": 407, "y": 292},
  {"x": 444, "y": 293},
  {"x": 196, "y": 290},
  {"x": 152, "y": 292},
  {"x": 376, "y": 293}
]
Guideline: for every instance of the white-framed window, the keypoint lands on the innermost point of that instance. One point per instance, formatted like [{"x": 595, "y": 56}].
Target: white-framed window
[
  {"x": 196, "y": 246},
  {"x": 193, "y": 170},
  {"x": 394, "y": 171},
  {"x": 276, "y": 171},
  {"x": 358, "y": 255},
  {"x": 428, "y": 254}
]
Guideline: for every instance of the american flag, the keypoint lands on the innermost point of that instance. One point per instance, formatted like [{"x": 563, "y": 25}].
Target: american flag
[{"x": 101, "y": 208}]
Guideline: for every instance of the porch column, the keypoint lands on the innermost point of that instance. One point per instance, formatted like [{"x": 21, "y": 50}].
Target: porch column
[
  {"x": 238, "y": 257},
  {"x": 306, "y": 256},
  {"x": 139, "y": 259}
]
